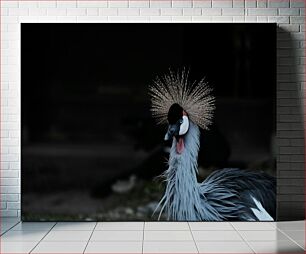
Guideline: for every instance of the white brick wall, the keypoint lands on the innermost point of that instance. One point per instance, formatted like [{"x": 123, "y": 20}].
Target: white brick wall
[{"x": 289, "y": 14}]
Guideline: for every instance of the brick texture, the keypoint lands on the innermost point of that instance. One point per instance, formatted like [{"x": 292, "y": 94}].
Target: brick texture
[{"x": 288, "y": 14}]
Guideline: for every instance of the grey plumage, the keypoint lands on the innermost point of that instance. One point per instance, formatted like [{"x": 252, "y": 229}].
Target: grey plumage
[
  {"x": 227, "y": 194},
  {"x": 224, "y": 195}
]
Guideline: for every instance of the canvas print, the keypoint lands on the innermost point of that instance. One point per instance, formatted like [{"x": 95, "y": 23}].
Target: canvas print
[{"x": 148, "y": 122}]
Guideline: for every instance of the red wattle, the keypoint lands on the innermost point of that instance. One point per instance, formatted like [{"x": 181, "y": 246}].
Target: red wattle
[{"x": 180, "y": 145}]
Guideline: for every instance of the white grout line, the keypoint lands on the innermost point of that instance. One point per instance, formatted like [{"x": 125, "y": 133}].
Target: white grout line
[
  {"x": 291, "y": 238},
  {"x": 42, "y": 238},
  {"x": 273, "y": 224},
  {"x": 90, "y": 236},
  {"x": 243, "y": 238},
  {"x": 193, "y": 238},
  {"x": 232, "y": 226},
  {"x": 143, "y": 231}
]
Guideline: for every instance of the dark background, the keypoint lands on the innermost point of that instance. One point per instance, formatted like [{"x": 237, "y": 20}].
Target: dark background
[{"x": 85, "y": 111}]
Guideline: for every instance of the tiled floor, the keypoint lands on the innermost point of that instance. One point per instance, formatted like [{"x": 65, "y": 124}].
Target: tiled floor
[{"x": 152, "y": 237}]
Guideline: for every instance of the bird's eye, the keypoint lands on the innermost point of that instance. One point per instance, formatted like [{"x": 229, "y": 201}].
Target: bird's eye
[{"x": 181, "y": 121}]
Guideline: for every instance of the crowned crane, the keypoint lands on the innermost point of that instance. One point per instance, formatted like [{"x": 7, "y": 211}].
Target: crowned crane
[{"x": 227, "y": 194}]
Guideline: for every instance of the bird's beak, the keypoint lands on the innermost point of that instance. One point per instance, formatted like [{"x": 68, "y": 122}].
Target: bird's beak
[
  {"x": 167, "y": 137},
  {"x": 172, "y": 130}
]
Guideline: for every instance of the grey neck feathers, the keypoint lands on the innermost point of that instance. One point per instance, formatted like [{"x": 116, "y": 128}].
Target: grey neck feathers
[{"x": 183, "y": 198}]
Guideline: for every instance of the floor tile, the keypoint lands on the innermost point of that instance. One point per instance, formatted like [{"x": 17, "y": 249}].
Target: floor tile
[
  {"x": 291, "y": 225},
  {"x": 276, "y": 247},
  {"x": 223, "y": 247},
  {"x": 23, "y": 236},
  {"x": 166, "y": 226},
  {"x": 9, "y": 224},
  {"x": 60, "y": 247},
  {"x": 273, "y": 235},
  {"x": 253, "y": 226},
  {"x": 216, "y": 236},
  {"x": 69, "y": 236},
  {"x": 3, "y": 230},
  {"x": 98, "y": 236},
  {"x": 17, "y": 247},
  {"x": 169, "y": 247},
  {"x": 33, "y": 226},
  {"x": 160, "y": 237},
  {"x": 114, "y": 247},
  {"x": 167, "y": 236},
  {"x": 296, "y": 235},
  {"x": 5, "y": 226},
  {"x": 63, "y": 226},
  {"x": 273, "y": 223},
  {"x": 301, "y": 243},
  {"x": 120, "y": 226},
  {"x": 211, "y": 226}
]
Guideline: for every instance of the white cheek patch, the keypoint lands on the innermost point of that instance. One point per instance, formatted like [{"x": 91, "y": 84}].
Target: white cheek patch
[{"x": 184, "y": 126}]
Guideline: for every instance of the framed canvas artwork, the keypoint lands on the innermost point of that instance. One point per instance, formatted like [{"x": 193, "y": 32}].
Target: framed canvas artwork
[{"x": 147, "y": 122}]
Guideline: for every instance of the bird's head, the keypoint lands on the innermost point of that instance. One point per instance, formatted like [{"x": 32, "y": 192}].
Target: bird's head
[{"x": 178, "y": 126}]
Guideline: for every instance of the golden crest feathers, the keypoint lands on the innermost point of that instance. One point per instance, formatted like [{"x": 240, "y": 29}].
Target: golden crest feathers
[{"x": 195, "y": 98}]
